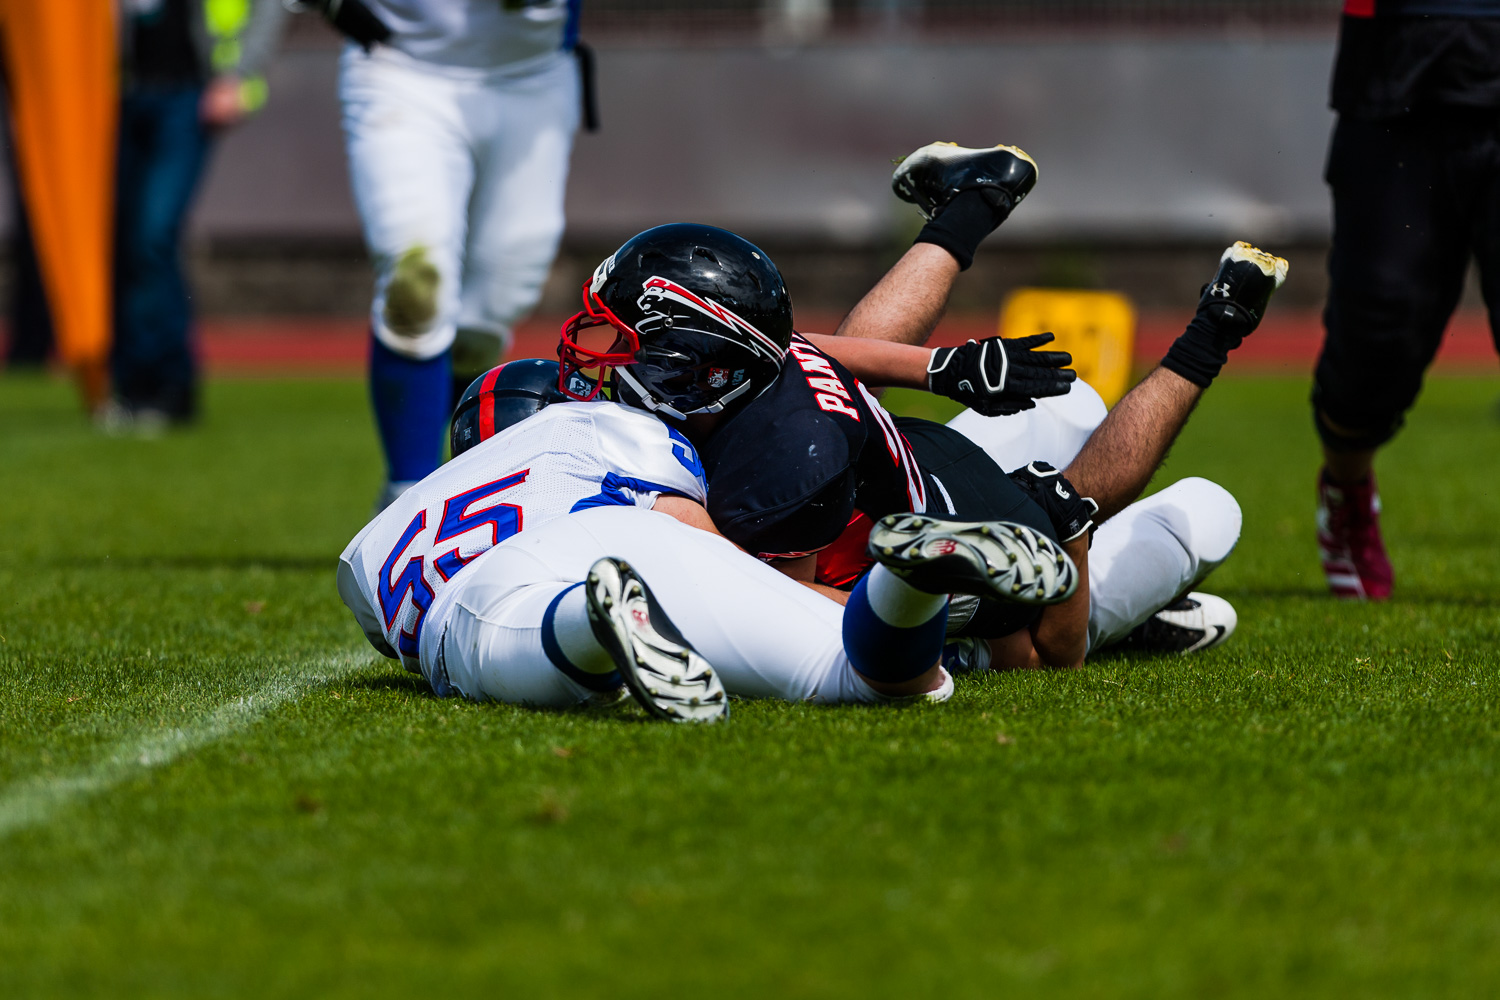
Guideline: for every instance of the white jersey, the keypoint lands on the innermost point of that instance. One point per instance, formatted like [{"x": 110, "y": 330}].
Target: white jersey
[
  {"x": 483, "y": 35},
  {"x": 569, "y": 457}
]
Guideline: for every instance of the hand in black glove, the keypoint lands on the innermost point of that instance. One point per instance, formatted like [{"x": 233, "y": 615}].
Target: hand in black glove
[
  {"x": 997, "y": 377},
  {"x": 352, "y": 18},
  {"x": 1071, "y": 515}
]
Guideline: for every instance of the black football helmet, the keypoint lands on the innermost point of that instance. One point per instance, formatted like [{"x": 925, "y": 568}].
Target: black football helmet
[
  {"x": 701, "y": 316},
  {"x": 505, "y": 395}
]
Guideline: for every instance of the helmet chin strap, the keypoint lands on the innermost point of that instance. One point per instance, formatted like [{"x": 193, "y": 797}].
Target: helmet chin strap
[
  {"x": 655, "y": 405},
  {"x": 728, "y": 397},
  {"x": 649, "y": 401}
]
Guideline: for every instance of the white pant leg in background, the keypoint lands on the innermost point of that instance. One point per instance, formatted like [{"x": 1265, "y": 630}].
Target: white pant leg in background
[
  {"x": 523, "y": 143},
  {"x": 411, "y": 172},
  {"x": 1054, "y": 430},
  {"x": 768, "y": 636},
  {"x": 444, "y": 165},
  {"x": 1154, "y": 550}
]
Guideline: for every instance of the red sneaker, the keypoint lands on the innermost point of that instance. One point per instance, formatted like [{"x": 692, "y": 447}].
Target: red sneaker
[{"x": 1354, "y": 559}]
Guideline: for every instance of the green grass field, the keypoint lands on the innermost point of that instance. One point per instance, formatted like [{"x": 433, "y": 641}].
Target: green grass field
[{"x": 211, "y": 787}]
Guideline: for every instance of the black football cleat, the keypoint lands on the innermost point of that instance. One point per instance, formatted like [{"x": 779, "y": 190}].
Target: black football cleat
[
  {"x": 934, "y": 174},
  {"x": 664, "y": 673},
  {"x": 1188, "y": 625},
  {"x": 996, "y": 559},
  {"x": 1237, "y": 297}
]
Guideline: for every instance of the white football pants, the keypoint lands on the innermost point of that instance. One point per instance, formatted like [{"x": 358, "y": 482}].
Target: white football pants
[
  {"x": 1147, "y": 555},
  {"x": 459, "y": 181},
  {"x": 767, "y": 636}
]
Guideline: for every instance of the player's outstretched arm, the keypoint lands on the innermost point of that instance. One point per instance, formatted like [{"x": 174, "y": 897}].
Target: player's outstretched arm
[
  {"x": 964, "y": 194},
  {"x": 994, "y": 376},
  {"x": 880, "y": 364},
  {"x": 1124, "y": 452}
]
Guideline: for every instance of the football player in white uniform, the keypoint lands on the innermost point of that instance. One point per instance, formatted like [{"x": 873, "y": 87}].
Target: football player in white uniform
[
  {"x": 459, "y": 117},
  {"x": 560, "y": 613}
]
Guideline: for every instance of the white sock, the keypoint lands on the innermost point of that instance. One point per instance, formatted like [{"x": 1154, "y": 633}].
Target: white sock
[
  {"x": 897, "y": 602},
  {"x": 570, "y": 626}
]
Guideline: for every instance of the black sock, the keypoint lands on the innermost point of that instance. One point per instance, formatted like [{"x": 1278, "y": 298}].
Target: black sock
[
  {"x": 1201, "y": 351},
  {"x": 963, "y": 225}
]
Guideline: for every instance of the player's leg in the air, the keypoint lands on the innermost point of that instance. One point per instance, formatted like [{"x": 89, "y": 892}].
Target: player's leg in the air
[
  {"x": 523, "y": 131},
  {"x": 1120, "y": 457},
  {"x": 411, "y": 167},
  {"x": 1116, "y": 462},
  {"x": 965, "y": 194}
]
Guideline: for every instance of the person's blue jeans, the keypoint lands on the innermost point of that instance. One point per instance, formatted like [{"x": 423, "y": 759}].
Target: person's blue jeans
[{"x": 163, "y": 149}]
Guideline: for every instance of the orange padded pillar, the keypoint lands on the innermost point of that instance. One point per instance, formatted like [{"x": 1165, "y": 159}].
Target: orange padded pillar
[{"x": 62, "y": 64}]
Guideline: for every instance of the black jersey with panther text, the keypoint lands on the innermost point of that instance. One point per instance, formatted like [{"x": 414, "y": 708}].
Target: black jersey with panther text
[
  {"x": 815, "y": 460},
  {"x": 789, "y": 472}
]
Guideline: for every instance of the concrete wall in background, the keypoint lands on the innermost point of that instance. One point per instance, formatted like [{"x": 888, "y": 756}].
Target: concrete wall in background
[
  {"x": 1138, "y": 139},
  {"x": 1135, "y": 139}
]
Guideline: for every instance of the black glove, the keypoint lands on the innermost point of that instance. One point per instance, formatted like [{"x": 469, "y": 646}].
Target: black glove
[
  {"x": 1229, "y": 310},
  {"x": 352, "y": 18},
  {"x": 998, "y": 377},
  {"x": 1071, "y": 515}
]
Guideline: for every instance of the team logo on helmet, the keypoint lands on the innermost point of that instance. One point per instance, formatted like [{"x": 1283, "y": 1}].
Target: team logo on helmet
[
  {"x": 658, "y": 290},
  {"x": 718, "y": 378},
  {"x": 579, "y": 385}
]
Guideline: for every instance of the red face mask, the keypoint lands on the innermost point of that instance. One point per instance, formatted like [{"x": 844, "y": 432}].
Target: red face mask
[{"x": 576, "y": 356}]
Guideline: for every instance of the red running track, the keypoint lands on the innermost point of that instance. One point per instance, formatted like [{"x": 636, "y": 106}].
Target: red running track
[{"x": 1287, "y": 343}]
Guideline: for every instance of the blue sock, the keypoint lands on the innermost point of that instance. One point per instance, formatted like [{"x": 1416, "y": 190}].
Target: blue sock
[
  {"x": 413, "y": 401},
  {"x": 568, "y": 611},
  {"x": 881, "y": 651}
]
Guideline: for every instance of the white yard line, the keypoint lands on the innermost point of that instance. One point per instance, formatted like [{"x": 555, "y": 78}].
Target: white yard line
[{"x": 33, "y": 801}]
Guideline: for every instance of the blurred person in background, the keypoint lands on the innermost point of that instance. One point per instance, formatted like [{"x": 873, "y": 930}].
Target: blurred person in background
[
  {"x": 1415, "y": 171},
  {"x": 459, "y": 117},
  {"x": 30, "y": 343},
  {"x": 193, "y": 68}
]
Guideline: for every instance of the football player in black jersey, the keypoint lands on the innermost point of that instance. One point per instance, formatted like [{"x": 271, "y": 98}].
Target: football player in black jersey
[{"x": 697, "y": 328}]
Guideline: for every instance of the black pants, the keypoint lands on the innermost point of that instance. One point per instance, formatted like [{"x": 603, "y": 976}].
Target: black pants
[
  {"x": 980, "y": 491},
  {"x": 1413, "y": 199},
  {"x": 163, "y": 152}
]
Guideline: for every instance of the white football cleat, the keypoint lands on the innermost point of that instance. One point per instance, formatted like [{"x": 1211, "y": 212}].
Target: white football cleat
[
  {"x": 1189, "y": 624},
  {"x": 936, "y": 696},
  {"x": 996, "y": 559},
  {"x": 664, "y": 673}
]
